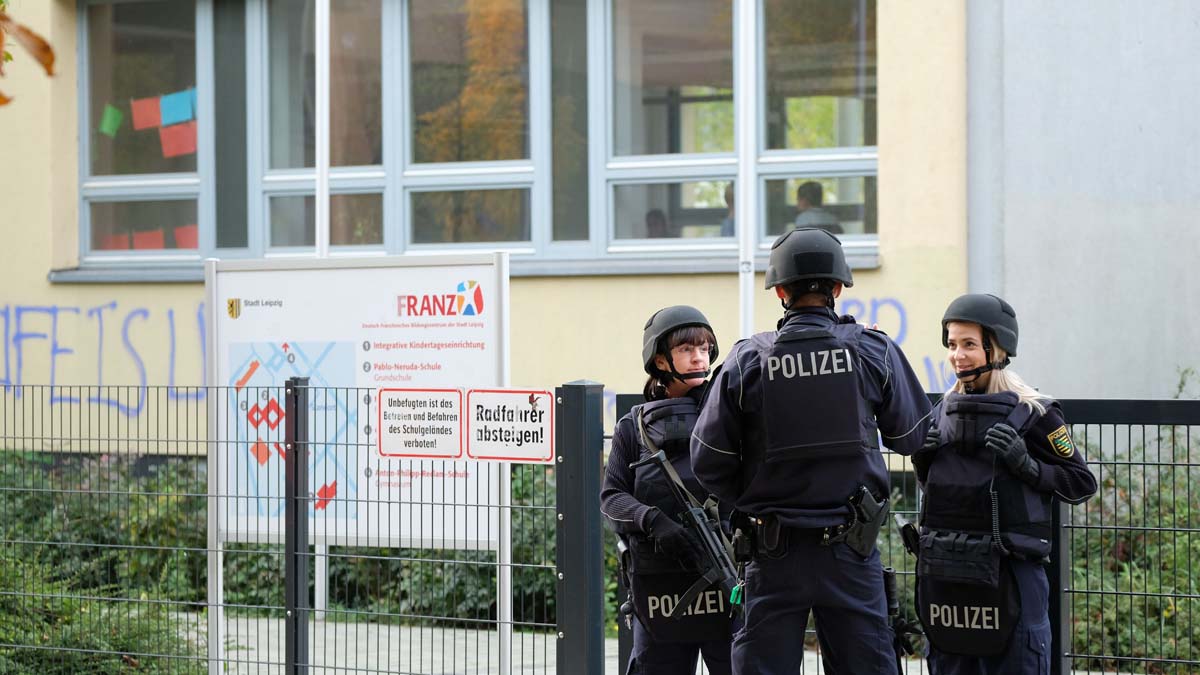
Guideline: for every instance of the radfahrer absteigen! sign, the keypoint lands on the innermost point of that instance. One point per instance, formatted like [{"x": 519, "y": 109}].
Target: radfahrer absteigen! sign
[{"x": 510, "y": 425}]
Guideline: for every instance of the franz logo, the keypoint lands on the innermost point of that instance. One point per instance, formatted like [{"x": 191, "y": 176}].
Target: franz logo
[{"x": 466, "y": 301}]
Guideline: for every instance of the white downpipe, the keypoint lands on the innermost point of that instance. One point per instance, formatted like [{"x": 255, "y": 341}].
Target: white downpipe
[
  {"x": 321, "y": 43},
  {"x": 746, "y": 118}
]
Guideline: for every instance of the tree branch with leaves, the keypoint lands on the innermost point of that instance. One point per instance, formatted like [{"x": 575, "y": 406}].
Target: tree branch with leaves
[{"x": 33, "y": 43}]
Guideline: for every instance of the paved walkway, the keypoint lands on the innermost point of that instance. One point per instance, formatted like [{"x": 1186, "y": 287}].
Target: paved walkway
[{"x": 256, "y": 645}]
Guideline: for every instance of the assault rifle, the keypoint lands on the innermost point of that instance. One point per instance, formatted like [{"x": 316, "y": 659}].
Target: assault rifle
[{"x": 702, "y": 519}]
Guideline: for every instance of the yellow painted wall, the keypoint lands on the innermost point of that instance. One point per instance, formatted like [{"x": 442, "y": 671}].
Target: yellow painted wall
[{"x": 563, "y": 328}]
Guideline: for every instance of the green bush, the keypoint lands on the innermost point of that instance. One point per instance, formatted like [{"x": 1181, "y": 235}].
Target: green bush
[
  {"x": 63, "y": 626},
  {"x": 1133, "y": 558},
  {"x": 103, "y": 520}
]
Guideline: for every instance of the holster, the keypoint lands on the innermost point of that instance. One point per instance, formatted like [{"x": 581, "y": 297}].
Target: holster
[{"x": 869, "y": 517}]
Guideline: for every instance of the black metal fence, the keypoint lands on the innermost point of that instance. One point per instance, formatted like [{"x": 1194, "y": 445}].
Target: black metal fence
[
  {"x": 107, "y": 564},
  {"x": 112, "y": 498}
]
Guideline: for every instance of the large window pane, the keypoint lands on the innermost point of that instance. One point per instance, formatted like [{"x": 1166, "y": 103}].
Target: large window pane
[
  {"x": 673, "y": 76},
  {"x": 142, "y": 78},
  {"x": 355, "y": 89},
  {"x": 673, "y": 210},
  {"x": 355, "y": 83},
  {"x": 820, "y": 79},
  {"x": 568, "y": 89},
  {"x": 470, "y": 216},
  {"x": 470, "y": 80},
  {"x": 842, "y": 205},
  {"x": 144, "y": 226}
]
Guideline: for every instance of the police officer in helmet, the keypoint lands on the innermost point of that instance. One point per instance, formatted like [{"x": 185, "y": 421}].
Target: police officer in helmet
[
  {"x": 997, "y": 453},
  {"x": 789, "y": 433},
  {"x": 662, "y": 556}
]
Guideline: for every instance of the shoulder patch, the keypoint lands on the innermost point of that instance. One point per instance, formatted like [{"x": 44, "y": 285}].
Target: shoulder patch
[{"x": 1060, "y": 440}]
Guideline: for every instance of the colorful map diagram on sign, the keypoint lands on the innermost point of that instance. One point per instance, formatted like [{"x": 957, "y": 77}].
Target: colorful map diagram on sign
[{"x": 256, "y": 423}]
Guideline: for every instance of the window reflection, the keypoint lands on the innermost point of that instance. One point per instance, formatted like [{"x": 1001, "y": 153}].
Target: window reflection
[
  {"x": 144, "y": 226},
  {"x": 354, "y": 220},
  {"x": 355, "y": 85},
  {"x": 820, "y": 73},
  {"x": 142, "y": 78},
  {"x": 674, "y": 210},
  {"x": 470, "y": 216},
  {"x": 673, "y": 76},
  {"x": 470, "y": 80},
  {"x": 841, "y": 205}
]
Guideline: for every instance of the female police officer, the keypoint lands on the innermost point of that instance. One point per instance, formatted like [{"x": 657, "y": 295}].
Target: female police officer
[
  {"x": 996, "y": 455},
  {"x": 678, "y": 346}
]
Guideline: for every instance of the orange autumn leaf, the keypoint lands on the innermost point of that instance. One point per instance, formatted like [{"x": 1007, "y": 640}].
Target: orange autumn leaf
[{"x": 33, "y": 43}]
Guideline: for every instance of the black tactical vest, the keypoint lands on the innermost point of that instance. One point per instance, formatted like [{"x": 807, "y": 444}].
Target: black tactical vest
[
  {"x": 964, "y": 471},
  {"x": 657, "y": 579},
  {"x": 812, "y": 403}
]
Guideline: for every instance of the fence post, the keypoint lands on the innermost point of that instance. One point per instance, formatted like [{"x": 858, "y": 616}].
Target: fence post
[
  {"x": 296, "y": 526},
  {"x": 579, "y": 556},
  {"x": 1059, "y": 575},
  {"x": 625, "y": 403}
]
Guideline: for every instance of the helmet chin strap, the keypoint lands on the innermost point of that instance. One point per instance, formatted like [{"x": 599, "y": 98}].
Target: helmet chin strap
[
  {"x": 683, "y": 377},
  {"x": 974, "y": 373}
]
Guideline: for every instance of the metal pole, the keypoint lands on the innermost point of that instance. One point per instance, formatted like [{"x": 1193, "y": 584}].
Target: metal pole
[
  {"x": 296, "y": 526},
  {"x": 1059, "y": 574},
  {"x": 579, "y": 556},
  {"x": 746, "y": 116}
]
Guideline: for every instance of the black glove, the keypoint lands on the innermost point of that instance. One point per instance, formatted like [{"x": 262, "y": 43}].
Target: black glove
[
  {"x": 1010, "y": 448},
  {"x": 675, "y": 539},
  {"x": 933, "y": 439}
]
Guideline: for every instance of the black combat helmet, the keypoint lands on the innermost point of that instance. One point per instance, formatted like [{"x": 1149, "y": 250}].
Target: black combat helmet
[
  {"x": 661, "y": 324},
  {"x": 997, "y": 317},
  {"x": 807, "y": 253}
]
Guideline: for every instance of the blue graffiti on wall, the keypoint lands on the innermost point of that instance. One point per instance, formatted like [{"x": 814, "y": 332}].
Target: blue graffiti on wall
[{"x": 26, "y": 325}]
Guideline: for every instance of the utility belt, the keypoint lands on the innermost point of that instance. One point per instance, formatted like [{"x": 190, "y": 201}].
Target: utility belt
[{"x": 766, "y": 536}]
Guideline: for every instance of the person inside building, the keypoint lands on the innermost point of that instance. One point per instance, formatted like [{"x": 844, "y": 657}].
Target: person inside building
[
  {"x": 996, "y": 456},
  {"x": 809, "y": 210},
  {"x": 789, "y": 433},
  {"x": 663, "y": 557}
]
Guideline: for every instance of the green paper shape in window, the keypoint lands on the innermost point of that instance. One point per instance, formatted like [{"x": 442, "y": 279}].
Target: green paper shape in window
[{"x": 111, "y": 120}]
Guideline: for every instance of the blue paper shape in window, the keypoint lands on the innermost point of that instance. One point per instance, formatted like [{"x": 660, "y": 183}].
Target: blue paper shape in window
[{"x": 176, "y": 108}]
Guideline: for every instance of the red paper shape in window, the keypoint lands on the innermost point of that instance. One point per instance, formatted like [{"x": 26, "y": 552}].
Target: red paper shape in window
[
  {"x": 145, "y": 113},
  {"x": 187, "y": 236},
  {"x": 150, "y": 239},
  {"x": 178, "y": 139},
  {"x": 114, "y": 242}
]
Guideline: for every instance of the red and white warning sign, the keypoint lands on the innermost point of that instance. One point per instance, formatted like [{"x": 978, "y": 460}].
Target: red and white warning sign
[
  {"x": 513, "y": 425},
  {"x": 421, "y": 423}
]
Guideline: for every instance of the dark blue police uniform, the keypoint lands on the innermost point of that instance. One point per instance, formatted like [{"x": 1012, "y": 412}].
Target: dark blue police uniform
[
  {"x": 629, "y": 500},
  {"x": 788, "y": 433},
  {"x": 960, "y": 477}
]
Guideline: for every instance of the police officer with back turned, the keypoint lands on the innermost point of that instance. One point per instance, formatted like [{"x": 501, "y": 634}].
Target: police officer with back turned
[
  {"x": 996, "y": 455},
  {"x": 661, "y": 556},
  {"x": 789, "y": 433}
]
